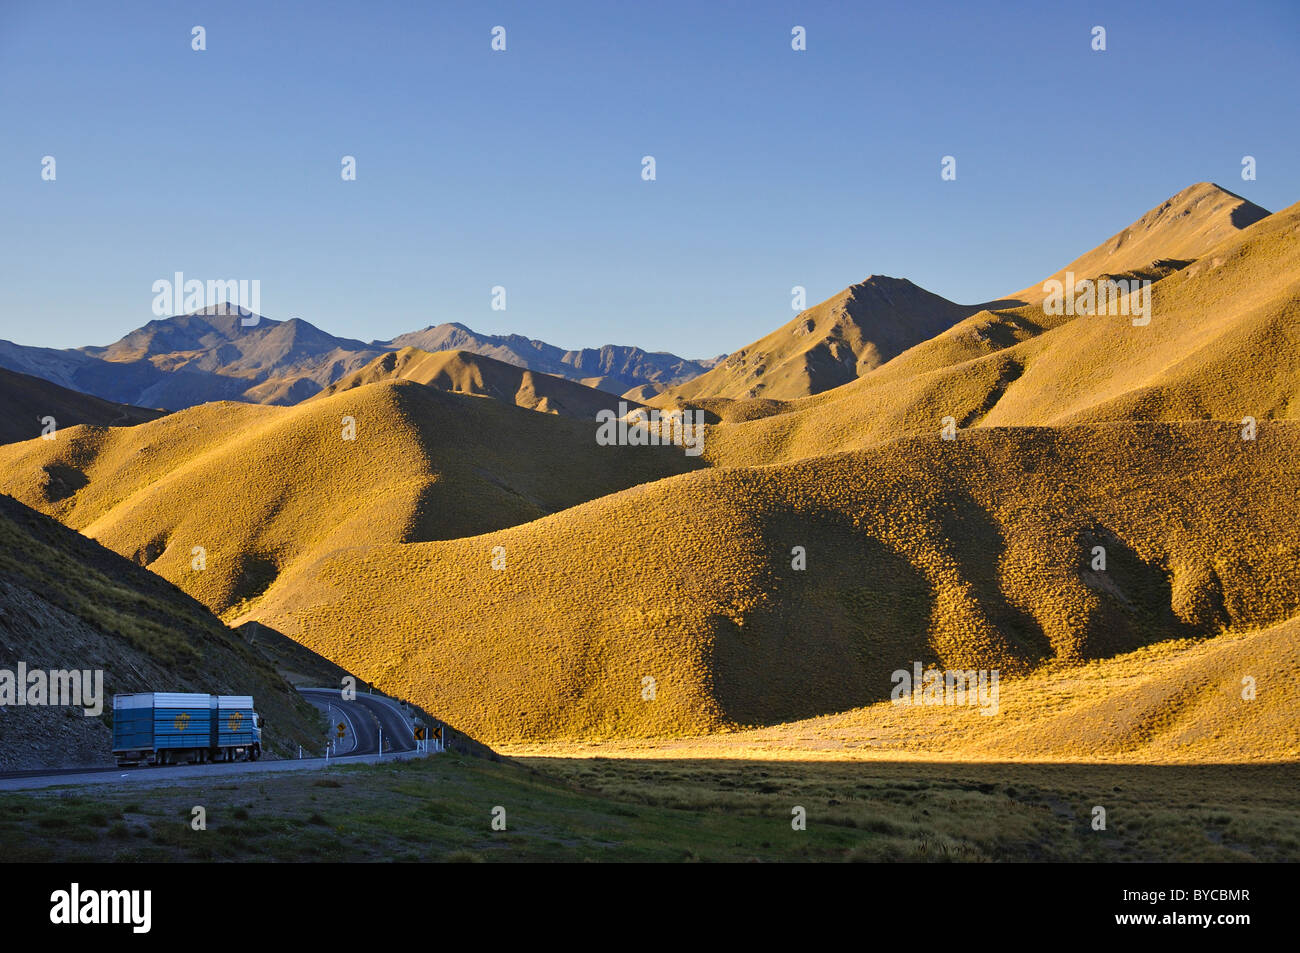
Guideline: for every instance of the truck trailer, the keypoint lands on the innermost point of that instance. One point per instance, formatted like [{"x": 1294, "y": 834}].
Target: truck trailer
[{"x": 176, "y": 727}]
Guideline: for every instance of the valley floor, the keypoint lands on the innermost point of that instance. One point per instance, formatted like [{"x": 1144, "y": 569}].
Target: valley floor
[{"x": 678, "y": 809}]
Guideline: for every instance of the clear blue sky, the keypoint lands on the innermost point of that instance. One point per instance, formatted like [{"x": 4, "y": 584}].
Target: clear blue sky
[{"x": 523, "y": 168}]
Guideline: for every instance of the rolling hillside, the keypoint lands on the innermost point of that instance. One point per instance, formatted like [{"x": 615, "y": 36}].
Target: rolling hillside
[
  {"x": 1166, "y": 239},
  {"x": 261, "y": 488},
  {"x": 1225, "y": 700},
  {"x": 973, "y": 553}
]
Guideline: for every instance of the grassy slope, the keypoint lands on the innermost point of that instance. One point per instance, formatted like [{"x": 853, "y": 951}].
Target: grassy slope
[
  {"x": 263, "y": 488},
  {"x": 826, "y": 345},
  {"x": 973, "y": 553},
  {"x": 1184, "y": 227}
]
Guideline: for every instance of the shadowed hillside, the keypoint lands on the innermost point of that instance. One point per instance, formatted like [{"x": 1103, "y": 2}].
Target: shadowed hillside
[
  {"x": 27, "y": 401},
  {"x": 975, "y": 553}
]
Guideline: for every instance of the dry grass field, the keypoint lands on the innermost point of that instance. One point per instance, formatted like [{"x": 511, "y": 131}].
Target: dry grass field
[{"x": 1176, "y": 702}]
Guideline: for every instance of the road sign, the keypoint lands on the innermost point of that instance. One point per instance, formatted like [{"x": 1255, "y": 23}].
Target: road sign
[
  {"x": 419, "y": 732},
  {"x": 437, "y": 731},
  {"x": 343, "y": 729}
]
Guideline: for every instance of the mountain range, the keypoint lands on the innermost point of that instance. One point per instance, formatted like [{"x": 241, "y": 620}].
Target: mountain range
[{"x": 190, "y": 359}]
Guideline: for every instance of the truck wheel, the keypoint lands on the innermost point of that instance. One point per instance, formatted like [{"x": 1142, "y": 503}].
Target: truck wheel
[{"x": 255, "y": 753}]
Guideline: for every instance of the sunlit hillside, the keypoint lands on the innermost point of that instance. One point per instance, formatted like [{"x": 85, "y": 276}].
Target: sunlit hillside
[
  {"x": 828, "y": 344},
  {"x": 1221, "y": 343},
  {"x": 976, "y": 553},
  {"x": 1229, "y": 699}
]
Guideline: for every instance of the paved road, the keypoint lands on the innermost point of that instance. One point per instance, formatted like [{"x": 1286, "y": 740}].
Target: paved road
[
  {"x": 360, "y": 734},
  {"x": 170, "y": 774},
  {"x": 365, "y": 715}
]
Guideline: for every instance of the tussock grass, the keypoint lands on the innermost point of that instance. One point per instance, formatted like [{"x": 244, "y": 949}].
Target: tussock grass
[{"x": 973, "y": 554}]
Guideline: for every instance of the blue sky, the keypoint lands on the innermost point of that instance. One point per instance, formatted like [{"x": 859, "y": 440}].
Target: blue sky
[{"x": 522, "y": 168}]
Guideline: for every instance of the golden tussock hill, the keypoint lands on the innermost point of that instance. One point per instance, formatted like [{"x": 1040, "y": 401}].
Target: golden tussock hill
[
  {"x": 975, "y": 553},
  {"x": 827, "y": 345},
  {"x": 260, "y": 488},
  {"x": 462, "y": 372},
  {"x": 1223, "y": 342},
  {"x": 1181, "y": 229},
  {"x": 27, "y": 401},
  {"x": 1166, "y": 239},
  {"x": 68, "y": 603},
  {"x": 1230, "y": 699}
]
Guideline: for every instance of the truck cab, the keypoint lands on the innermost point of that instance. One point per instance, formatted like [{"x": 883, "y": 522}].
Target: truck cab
[{"x": 256, "y": 750}]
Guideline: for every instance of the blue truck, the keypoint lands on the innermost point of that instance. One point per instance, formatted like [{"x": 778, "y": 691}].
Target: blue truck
[{"x": 176, "y": 727}]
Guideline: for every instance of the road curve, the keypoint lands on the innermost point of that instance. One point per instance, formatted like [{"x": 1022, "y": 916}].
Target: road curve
[{"x": 366, "y": 714}]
